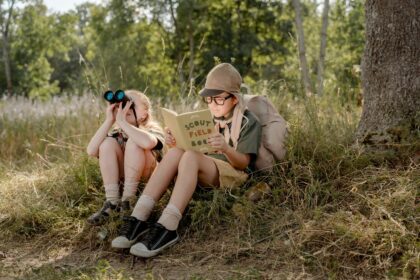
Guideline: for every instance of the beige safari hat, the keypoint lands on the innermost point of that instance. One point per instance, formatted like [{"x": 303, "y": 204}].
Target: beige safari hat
[{"x": 222, "y": 78}]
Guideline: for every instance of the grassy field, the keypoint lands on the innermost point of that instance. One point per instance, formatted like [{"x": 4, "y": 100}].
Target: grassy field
[{"x": 336, "y": 209}]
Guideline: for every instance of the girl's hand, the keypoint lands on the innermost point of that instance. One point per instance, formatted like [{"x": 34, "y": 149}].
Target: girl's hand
[
  {"x": 122, "y": 112},
  {"x": 169, "y": 138},
  {"x": 110, "y": 113},
  {"x": 217, "y": 141}
]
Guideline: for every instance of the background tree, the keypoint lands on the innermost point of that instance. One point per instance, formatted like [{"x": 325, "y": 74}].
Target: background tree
[
  {"x": 301, "y": 48},
  {"x": 5, "y": 22},
  {"x": 391, "y": 72},
  {"x": 167, "y": 47},
  {"x": 346, "y": 40},
  {"x": 322, "y": 48}
]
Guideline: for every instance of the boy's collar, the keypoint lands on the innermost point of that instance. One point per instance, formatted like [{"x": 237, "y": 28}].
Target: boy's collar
[{"x": 222, "y": 118}]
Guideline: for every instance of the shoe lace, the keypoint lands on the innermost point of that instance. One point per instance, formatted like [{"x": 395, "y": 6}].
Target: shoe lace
[
  {"x": 127, "y": 226},
  {"x": 107, "y": 205},
  {"x": 151, "y": 234}
]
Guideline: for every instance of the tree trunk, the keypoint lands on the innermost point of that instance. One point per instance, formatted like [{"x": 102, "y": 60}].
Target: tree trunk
[
  {"x": 7, "y": 63},
  {"x": 301, "y": 48},
  {"x": 5, "y": 23},
  {"x": 192, "y": 54},
  {"x": 322, "y": 48},
  {"x": 391, "y": 72}
]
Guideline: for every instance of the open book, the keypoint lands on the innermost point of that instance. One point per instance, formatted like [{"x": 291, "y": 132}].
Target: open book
[{"x": 191, "y": 129}]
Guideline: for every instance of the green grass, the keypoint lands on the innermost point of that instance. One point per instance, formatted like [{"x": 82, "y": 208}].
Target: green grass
[{"x": 336, "y": 209}]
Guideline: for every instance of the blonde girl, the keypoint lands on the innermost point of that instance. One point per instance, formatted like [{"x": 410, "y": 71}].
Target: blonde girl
[
  {"x": 237, "y": 143},
  {"x": 128, "y": 150}
]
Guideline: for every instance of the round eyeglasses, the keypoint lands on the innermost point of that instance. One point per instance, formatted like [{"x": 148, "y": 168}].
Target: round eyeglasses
[{"x": 219, "y": 100}]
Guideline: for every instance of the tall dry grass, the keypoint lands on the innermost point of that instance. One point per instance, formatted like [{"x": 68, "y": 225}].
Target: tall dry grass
[{"x": 335, "y": 209}]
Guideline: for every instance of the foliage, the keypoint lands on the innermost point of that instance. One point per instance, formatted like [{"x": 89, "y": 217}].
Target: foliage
[{"x": 167, "y": 47}]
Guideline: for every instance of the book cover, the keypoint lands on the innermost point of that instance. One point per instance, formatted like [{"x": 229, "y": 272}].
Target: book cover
[{"x": 190, "y": 129}]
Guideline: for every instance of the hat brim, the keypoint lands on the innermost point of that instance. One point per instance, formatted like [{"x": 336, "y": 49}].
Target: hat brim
[{"x": 211, "y": 92}]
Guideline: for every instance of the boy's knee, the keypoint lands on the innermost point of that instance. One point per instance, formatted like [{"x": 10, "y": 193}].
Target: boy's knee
[
  {"x": 175, "y": 151},
  {"x": 190, "y": 156}
]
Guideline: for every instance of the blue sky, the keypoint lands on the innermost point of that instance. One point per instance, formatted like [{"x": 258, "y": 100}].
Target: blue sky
[{"x": 65, "y": 5}]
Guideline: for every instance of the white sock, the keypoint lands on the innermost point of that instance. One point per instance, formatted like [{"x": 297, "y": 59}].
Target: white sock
[
  {"x": 130, "y": 190},
  {"x": 112, "y": 193},
  {"x": 170, "y": 217},
  {"x": 143, "y": 207}
]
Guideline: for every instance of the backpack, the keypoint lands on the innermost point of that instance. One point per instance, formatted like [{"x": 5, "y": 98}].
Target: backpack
[{"x": 274, "y": 131}]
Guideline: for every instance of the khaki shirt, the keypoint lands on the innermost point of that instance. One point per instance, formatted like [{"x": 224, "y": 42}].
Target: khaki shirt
[{"x": 249, "y": 140}]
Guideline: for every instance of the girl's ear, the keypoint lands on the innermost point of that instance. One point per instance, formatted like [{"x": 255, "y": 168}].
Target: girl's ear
[{"x": 144, "y": 117}]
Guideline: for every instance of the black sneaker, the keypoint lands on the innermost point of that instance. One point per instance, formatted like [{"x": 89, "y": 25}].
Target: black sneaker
[
  {"x": 100, "y": 217},
  {"x": 130, "y": 231},
  {"x": 127, "y": 206},
  {"x": 157, "y": 239}
]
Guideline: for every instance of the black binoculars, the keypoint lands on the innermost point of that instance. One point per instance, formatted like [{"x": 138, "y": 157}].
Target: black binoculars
[{"x": 118, "y": 97}]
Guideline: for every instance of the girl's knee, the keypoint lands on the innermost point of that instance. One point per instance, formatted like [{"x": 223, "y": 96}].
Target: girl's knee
[
  {"x": 130, "y": 144},
  {"x": 133, "y": 151},
  {"x": 108, "y": 145}
]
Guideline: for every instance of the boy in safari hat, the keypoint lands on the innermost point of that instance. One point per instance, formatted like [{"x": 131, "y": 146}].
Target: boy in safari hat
[{"x": 237, "y": 141}]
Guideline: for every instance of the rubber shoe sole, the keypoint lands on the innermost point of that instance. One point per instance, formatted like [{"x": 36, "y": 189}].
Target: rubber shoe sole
[
  {"x": 122, "y": 242},
  {"x": 140, "y": 250}
]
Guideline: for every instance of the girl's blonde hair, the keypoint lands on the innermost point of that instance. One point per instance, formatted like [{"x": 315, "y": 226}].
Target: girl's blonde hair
[{"x": 148, "y": 122}]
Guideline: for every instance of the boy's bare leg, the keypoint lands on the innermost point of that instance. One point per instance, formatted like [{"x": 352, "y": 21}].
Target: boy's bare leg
[
  {"x": 157, "y": 184},
  {"x": 194, "y": 167},
  {"x": 164, "y": 173}
]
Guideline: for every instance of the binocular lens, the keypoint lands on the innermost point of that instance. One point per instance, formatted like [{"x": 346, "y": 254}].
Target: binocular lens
[
  {"x": 109, "y": 95},
  {"x": 119, "y": 95}
]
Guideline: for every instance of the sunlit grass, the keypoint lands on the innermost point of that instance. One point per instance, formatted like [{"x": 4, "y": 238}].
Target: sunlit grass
[{"x": 341, "y": 210}]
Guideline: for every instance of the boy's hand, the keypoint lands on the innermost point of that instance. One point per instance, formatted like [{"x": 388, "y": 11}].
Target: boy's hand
[
  {"x": 122, "y": 112},
  {"x": 217, "y": 141},
  {"x": 111, "y": 113},
  {"x": 169, "y": 138}
]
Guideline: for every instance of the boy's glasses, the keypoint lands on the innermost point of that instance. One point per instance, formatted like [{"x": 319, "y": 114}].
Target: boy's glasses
[{"x": 219, "y": 100}]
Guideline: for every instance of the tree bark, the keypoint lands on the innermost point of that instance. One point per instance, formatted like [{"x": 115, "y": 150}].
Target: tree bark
[
  {"x": 391, "y": 72},
  {"x": 192, "y": 47},
  {"x": 5, "y": 38},
  {"x": 7, "y": 64},
  {"x": 322, "y": 48},
  {"x": 301, "y": 48}
]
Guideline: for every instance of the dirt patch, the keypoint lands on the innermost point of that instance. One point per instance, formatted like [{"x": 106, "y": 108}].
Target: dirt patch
[{"x": 190, "y": 259}]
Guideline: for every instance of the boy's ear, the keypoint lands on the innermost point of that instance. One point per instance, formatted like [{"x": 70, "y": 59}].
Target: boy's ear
[{"x": 235, "y": 100}]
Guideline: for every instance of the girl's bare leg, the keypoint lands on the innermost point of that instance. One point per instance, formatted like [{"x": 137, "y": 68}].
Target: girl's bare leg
[
  {"x": 111, "y": 165},
  {"x": 137, "y": 163},
  {"x": 134, "y": 162},
  {"x": 110, "y": 161}
]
